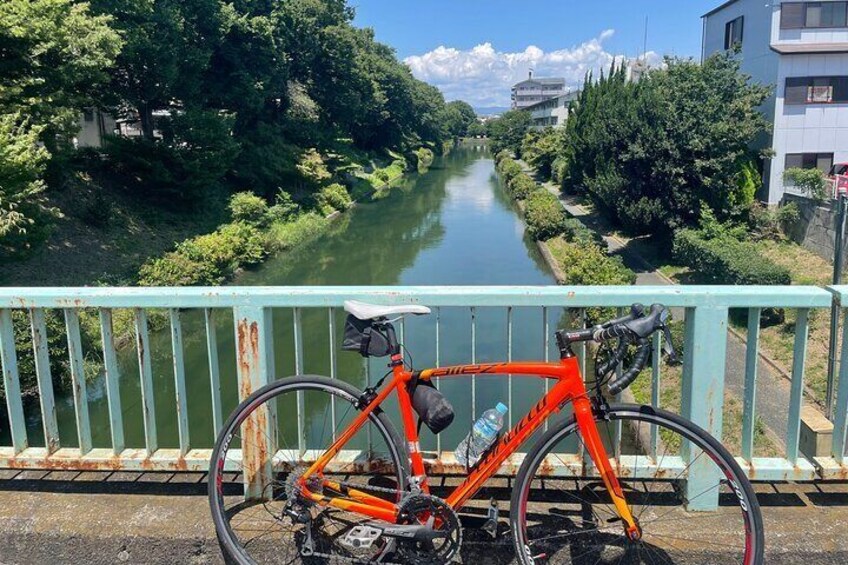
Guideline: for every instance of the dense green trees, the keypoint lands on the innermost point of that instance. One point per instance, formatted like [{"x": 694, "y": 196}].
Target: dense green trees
[
  {"x": 227, "y": 95},
  {"x": 507, "y": 132},
  {"x": 53, "y": 56},
  {"x": 655, "y": 153},
  {"x": 459, "y": 118}
]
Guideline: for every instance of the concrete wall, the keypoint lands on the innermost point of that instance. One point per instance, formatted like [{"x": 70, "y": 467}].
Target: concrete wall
[{"x": 815, "y": 229}]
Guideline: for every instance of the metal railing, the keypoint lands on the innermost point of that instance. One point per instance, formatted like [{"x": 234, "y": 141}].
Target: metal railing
[{"x": 705, "y": 311}]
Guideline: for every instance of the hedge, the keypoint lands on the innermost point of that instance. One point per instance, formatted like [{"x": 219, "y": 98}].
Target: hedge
[
  {"x": 589, "y": 264},
  {"x": 509, "y": 169},
  {"x": 725, "y": 260},
  {"x": 522, "y": 186},
  {"x": 577, "y": 232},
  {"x": 502, "y": 156},
  {"x": 544, "y": 215}
]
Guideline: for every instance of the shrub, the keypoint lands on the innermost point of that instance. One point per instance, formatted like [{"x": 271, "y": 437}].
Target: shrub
[
  {"x": 281, "y": 236},
  {"x": 811, "y": 181},
  {"x": 248, "y": 208},
  {"x": 229, "y": 247},
  {"x": 558, "y": 170},
  {"x": 502, "y": 156},
  {"x": 284, "y": 208},
  {"x": 425, "y": 159},
  {"x": 545, "y": 216},
  {"x": 522, "y": 186},
  {"x": 576, "y": 232},
  {"x": 725, "y": 260},
  {"x": 312, "y": 168},
  {"x": 207, "y": 259},
  {"x": 590, "y": 264},
  {"x": 765, "y": 222},
  {"x": 333, "y": 197},
  {"x": 509, "y": 169},
  {"x": 175, "y": 269},
  {"x": 382, "y": 175}
]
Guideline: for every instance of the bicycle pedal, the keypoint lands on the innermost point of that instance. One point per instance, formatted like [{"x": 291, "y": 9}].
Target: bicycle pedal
[{"x": 491, "y": 524}]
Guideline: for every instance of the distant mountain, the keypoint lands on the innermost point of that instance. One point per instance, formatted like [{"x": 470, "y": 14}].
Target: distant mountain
[{"x": 490, "y": 110}]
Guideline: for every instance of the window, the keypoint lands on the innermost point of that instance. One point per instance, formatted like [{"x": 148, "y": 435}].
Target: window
[
  {"x": 792, "y": 15},
  {"x": 816, "y": 90},
  {"x": 88, "y": 114},
  {"x": 821, "y": 161},
  {"x": 733, "y": 32},
  {"x": 797, "y": 15}
]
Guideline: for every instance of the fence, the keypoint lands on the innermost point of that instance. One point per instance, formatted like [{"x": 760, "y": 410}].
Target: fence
[{"x": 705, "y": 312}]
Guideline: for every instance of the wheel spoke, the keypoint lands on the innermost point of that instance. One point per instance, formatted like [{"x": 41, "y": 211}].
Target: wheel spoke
[
  {"x": 263, "y": 530},
  {"x": 677, "y": 540}
]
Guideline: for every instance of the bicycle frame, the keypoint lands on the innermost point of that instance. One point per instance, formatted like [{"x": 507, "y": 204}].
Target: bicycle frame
[{"x": 569, "y": 387}]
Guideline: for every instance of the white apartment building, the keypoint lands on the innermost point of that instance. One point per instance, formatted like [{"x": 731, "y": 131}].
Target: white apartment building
[
  {"x": 534, "y": 90},
  {"x": 552, "y": 112},
  {"x": 801, "y": 49}
]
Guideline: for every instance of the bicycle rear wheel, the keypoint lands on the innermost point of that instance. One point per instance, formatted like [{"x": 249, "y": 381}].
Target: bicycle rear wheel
[
  {"x": 573, "y": 520},
  {"x": 301, "y": 417}
]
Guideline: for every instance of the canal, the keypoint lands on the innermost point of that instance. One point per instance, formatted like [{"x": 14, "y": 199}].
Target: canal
[{"x": 454, "y": 225}]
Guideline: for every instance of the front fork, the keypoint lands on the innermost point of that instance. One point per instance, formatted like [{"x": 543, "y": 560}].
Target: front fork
[{"x": 585, "y": 415}]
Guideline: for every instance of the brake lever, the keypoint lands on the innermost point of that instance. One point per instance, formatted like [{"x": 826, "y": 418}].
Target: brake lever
[{"x": 668, "y": 346}]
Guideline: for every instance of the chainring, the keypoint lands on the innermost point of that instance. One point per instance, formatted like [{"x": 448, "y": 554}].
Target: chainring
[{"x": 436, "y": 513}]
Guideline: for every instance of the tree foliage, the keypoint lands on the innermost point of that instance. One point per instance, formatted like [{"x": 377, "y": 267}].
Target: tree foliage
[
  {"x": 655, "y": 153},
  {"x": 507, "y": 132}
]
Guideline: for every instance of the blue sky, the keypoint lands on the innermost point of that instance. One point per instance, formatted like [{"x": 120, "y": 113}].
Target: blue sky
[{"x": 474, "y": 49}]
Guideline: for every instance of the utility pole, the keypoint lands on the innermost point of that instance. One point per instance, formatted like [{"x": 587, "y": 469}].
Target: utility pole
[{"x": 838, "y": 246}]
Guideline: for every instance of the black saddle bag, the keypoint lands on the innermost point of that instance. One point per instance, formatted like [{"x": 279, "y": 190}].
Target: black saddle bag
[
  {"x": 432, "y": 407},
  {"x": 361, "y": 336}
]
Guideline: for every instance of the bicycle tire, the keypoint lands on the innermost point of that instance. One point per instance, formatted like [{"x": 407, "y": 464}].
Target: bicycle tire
[
  {"x": 232, "y": 550},
  {"x": 752, "y": 518}
]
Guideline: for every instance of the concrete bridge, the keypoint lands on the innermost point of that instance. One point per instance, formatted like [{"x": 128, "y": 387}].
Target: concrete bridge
[{"x": 98, "y": 495}]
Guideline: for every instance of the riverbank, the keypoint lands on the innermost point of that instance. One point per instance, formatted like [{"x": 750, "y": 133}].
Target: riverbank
[
  {"x": 132, "y": 252},
  {"x": 586, "y": 256}
]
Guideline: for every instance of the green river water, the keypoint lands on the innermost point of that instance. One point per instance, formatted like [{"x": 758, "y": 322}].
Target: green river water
[{"x": 454, "y": 225}]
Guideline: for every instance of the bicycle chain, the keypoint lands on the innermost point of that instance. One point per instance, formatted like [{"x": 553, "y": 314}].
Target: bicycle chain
[{"x": 341, "y": 558}]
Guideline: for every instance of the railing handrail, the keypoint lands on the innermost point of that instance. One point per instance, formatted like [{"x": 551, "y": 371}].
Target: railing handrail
[
  {"x": 703, "y": 375},
  {"x": 690, "y": 296}
]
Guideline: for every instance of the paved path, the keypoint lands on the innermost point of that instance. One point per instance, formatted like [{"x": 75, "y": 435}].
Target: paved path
[
  {"x": 102, "y": 518},
  {"x": 772, "y": 388}
]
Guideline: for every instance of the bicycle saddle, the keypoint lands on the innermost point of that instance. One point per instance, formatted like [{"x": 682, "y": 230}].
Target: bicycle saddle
[{"x": 365, "y": 311}]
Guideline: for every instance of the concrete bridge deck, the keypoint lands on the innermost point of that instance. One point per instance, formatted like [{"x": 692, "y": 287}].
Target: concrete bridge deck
[{"x": 98, "y": 517}]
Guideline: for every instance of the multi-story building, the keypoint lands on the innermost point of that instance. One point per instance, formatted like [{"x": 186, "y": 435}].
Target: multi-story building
[
  {"x": 552, "y": 112},
  {"x": 801, "y": 49},
  {"x": 535, "y": 90}
]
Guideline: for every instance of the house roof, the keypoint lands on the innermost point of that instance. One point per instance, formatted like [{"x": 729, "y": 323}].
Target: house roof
[
  {"x": 555, "y": 81},
  {"x": 804, "y": 48},
  {"x": 719, "y": 8}
]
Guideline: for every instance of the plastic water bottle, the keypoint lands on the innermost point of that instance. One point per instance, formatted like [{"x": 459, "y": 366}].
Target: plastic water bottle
[{"x": 482, "y": 435}]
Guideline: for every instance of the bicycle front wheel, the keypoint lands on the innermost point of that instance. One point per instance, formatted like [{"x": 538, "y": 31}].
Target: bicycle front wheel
[
  {"x": 690, "y": 498},
  {"x": 296, "y": 420}
]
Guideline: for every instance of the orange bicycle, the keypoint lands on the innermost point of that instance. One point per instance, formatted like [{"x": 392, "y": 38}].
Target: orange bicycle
[{"x": 608, "y": 483}]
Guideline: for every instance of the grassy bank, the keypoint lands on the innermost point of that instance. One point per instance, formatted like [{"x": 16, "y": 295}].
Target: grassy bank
[
  {"x": 132, "y": 249},
  {"x": 577, "y": 255},
  {"x": 777, "y": 334}
]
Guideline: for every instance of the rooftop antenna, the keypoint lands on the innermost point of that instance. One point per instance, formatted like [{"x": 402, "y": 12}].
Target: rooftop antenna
[{"x": 645, "y": 45}]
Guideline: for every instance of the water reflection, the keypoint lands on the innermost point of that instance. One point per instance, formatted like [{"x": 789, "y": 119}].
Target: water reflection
[{"x": 454, "y": 225}]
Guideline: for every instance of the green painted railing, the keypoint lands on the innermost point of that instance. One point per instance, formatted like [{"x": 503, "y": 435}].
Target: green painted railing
[{"x": 705, "y": 310}]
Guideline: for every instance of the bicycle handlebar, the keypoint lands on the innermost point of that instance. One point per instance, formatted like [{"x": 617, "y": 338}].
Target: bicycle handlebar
[{"x": 636, "y": 327}]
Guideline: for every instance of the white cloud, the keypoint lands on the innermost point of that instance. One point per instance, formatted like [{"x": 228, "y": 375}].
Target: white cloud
[{"x": 483, "y": 76}]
